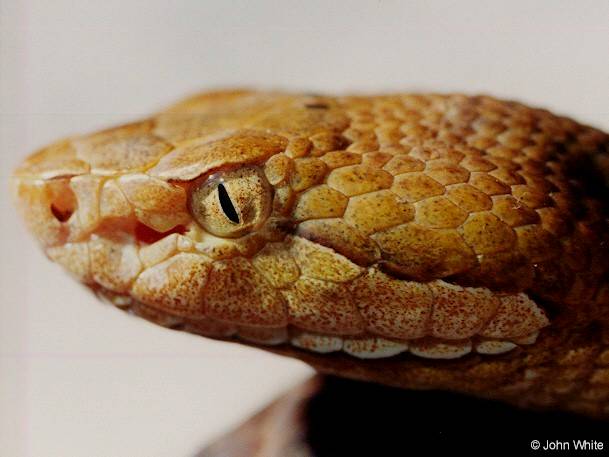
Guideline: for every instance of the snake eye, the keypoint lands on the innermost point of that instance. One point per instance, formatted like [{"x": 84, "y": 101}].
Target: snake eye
[{"x": 231, "y": 203}]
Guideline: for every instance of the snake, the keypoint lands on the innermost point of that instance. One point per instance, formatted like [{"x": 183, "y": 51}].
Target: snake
[{"x": 418, "y": 240}]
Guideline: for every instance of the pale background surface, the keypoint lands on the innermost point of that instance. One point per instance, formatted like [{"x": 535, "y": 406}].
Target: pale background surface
[{"x": 81, "y": 379}]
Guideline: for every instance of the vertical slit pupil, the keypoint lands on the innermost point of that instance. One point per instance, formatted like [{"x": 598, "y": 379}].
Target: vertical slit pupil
[{"x": 227, "y": 204}]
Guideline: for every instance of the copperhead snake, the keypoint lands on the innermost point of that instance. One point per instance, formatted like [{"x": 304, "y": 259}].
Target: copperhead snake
[{"x": 415, "y": 240}]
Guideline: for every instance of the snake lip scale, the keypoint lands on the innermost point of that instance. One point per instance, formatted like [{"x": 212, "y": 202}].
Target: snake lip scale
[{"x": 416, "y": 240}]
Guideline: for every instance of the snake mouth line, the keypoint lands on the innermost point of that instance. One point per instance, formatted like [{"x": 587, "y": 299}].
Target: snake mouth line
[{"x": 366, "y": 346}]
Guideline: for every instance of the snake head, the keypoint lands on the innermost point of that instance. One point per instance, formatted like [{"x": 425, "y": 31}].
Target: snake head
[{"x": 409, "y": 229}]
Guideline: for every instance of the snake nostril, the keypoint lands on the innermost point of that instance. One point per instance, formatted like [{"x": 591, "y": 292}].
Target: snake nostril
[
  {"x": 61, "y": 214},
  {"x": 63, "y": 203}
]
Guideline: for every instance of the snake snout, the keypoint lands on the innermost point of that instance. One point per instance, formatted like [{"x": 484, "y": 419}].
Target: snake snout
[{"x": 47, "y": 207}]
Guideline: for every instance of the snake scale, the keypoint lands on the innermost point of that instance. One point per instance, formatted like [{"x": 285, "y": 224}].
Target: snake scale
[{"x": 416, "y": 240}]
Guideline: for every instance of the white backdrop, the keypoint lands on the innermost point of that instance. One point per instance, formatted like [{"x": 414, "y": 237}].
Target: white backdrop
[{"x": 81, "y": 379}]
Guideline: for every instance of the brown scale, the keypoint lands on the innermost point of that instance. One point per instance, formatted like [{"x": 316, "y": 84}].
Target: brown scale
[{"x": 440, "y": 233}]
